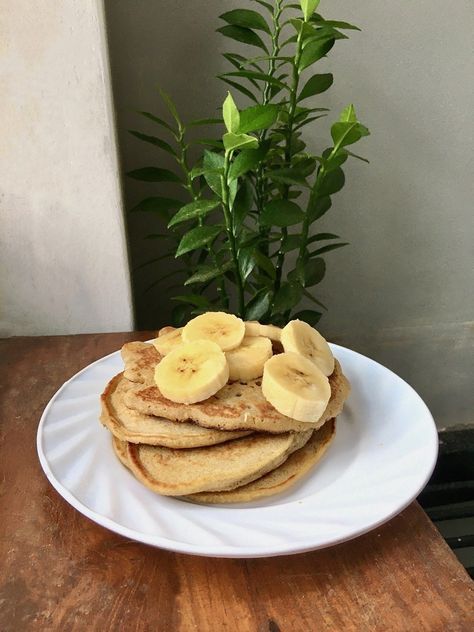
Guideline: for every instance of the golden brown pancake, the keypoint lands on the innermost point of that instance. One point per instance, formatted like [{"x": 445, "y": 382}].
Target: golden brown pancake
[
  {"x": 237, "y": 406},
  {"x": 274, "y": 482},
  {"x": 280, "y": 479},
  {"x": 129, "y": 425},
  {"x": 225, "y": 466},
  {"x": 121, "y": 450}
]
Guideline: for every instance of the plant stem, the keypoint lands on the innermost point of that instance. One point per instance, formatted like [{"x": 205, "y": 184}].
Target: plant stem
[
  {"x": 288, "y": 148},
  {"x": 314, "y": 194},
  {"x": 229, "y": 224},
  {"x": 275, "y": 48},
  {"x": 182, "y": 160},
  {"x": 260, "y": 188}
]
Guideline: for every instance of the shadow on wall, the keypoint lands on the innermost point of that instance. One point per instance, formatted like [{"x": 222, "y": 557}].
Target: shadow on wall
[{"x": 155, "y": 44}]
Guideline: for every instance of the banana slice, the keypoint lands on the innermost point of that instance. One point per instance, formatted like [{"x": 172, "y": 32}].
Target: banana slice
[
  {"x": 295, "y": 387},
  {"x": 167, "y": 342},
  {"x": 246, "y": 362},
  {"x": 192, "y": 372},
  {"x": 226, "y": 330},
  {"x": 254, "y": 328},
  {"x": 301, "y": 338}
]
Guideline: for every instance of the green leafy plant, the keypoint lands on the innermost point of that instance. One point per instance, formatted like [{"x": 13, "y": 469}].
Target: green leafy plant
[{"x": 243, "y": 231}]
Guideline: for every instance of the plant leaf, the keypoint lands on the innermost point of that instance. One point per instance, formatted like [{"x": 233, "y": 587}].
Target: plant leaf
[
  {"x": 210, "y": 142},
  {"x": 287, "y": 297},
  {"x": 154, "y": 141},
  {"x": 246, "y": 18},
  {"x": 231, "y": 115},
  {"x": 265, "y": 264},
  {"x": 157, "y": 205},
  {"x": 160, "y": 121},
  {"x": 258, "y": 117},
  {"x": 308, "y": 121},
  {"x": 239, "y": 62},
  {"x": 262, "y": 3},
  {"x": 168, "y": 101},
  {"x": 327, "y": 248},
  {"x": 334, "y": 23},
  {"x": 314, "y": 271},
  {"x": 348, "y": 114},
  {"x": 331, "y": 182},
  {"x": 179, "y": 315},
  {"x": 309, "y": 316},
  {"x": 281, "y": 213},
  {"x": 347, "y": 133},
  {"x": 321, "y": 237},
  {"x": 240, "y": 88},
  {"x": 306, "y": 166},
  {"x": 302, "y": 113},
  {"x": 316, "y": 85},
  {"x": 197, "y": 238},
  {"x": 259, "y": 305},
  {"x": 257, "y": 76},
  {"x": 247, "y": 159},
  {"x": 201, "y": 170},
  {"x": 204, "y": 274},
  {"x": 213, "y": 163},
  {"x": 308, "y": 7},
  {"x": 349, "y": 153},
  {"x": 154, "y": 260},
  {"x": 198, "y": 208},
  {"x": 236, "y": 141},
  {"x": 288, "y": 176},
  {"x": 242, "y": 203},
  {"x": 240, "y": 34},
  {"x": 153, "y": 174},
  {"x": 318, "y": 206},
  {"x": 246, "y": 262},
  {"x": 314, "y": 51},
  {"x": 297, "y": 275},
  {"x": 332, "y": 161},
  {"x": 291, "y": 242}
]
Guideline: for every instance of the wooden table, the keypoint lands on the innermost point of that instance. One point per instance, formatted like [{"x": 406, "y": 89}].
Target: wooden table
[{"x": 60, "y": 571}]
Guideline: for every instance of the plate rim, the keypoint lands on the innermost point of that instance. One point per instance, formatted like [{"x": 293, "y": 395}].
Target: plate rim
[{"x": 226, "y": 551}]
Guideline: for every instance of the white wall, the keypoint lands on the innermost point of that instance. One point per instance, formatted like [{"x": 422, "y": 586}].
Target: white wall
[
  {"x": 63, "y": 258},
  {"x": 402, "y": 292}
]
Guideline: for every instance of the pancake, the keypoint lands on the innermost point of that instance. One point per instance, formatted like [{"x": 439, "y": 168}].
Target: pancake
[
  {"x": 120, "y": 449},
  {"x": 140, "y": 359},
  {"x": 225, "y": 466},
  {"x": 237, "y": 406},
  {"x": 280, "y": 479},
  {"x": 130, "y": 425}
]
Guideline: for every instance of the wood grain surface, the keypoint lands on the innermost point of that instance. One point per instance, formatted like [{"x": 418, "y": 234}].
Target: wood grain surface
[{"x": 60, "y": 571}]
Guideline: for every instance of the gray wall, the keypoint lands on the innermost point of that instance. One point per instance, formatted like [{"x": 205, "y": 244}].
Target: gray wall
[{"x": 402, "y": 292}]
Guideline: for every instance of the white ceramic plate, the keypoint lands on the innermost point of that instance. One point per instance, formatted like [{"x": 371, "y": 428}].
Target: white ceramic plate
[{"x": 383, "y": 455}]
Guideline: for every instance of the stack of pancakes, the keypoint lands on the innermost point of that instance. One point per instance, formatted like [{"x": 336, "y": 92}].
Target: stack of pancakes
[{"x": 232, "y": 447}]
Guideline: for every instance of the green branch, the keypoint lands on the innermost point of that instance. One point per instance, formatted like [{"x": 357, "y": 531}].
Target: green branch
[{"x": 229, "y": 224}]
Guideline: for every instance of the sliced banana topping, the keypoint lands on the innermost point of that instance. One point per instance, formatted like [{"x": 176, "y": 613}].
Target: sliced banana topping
[
  {"x": 299, "y": 337},
  {"x": 254, "y": 328},
  {"x": 168, "y": 341},
  {"x": 226, "y": 330},
  {"x": 192, "y": 372},
  {"x": 295, "y": 386},
  {"x": 247, "y": 360}
]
